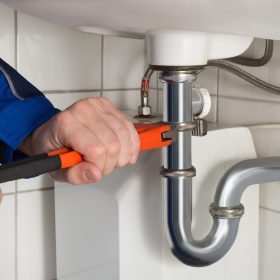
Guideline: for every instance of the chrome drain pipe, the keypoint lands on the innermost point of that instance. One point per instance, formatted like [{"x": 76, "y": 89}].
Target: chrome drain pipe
[{"x": 178, "y": 171}]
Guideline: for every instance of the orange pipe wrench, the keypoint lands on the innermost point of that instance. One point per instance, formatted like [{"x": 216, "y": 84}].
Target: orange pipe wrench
[{"x": 152, "y": 136}]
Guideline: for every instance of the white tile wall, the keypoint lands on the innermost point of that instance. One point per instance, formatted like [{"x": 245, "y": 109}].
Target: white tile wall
[
  {"x": 36, "y": 235},
  {"x": 7, "y": 237},
  {"x": 269, "y": 245},
  {"x": 7, "y": 35},
  {"x": 123, "y": 63},
  {"x": 56, "y": 58}
]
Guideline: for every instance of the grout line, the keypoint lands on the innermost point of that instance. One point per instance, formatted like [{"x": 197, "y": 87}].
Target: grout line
[
  {"x": 70, "y": 91},
  {"x": 16, "y": 231},
  {"x": 123, "y": 89},
  {"x": 36, "y": 190},
  {"x": 250, "y": 99},
  {"x": 269, "y": 209},
  {"x": 16, "y": 38},
  {"x": 8, "y": 194},
  {"x": 218, "y": 96},
  {"x": 28, "y": 191},
  {"x": 102, "y": 65},
  {"x": 16, "y": 183},
  {"x": 157, "y": 88},
  {"x": 89, "y": 90}
]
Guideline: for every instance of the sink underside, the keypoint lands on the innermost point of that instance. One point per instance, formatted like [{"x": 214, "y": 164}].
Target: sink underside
[{"x": 133, "y": 18}]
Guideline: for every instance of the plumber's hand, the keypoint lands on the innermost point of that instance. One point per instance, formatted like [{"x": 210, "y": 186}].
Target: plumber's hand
[{"x": 94, "y": 128}]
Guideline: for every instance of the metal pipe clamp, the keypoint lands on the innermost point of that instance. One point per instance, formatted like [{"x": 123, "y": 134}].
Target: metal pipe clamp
[
  {"x": 170, "y": 173},
  {"x": 226, "y": 212}
]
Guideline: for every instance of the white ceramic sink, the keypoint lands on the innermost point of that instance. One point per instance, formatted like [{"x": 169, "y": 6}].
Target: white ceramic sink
[{"x": 257, "y": 18}]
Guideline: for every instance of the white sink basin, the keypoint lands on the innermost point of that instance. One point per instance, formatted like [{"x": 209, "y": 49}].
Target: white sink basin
[{"x": 256, "y": 18}]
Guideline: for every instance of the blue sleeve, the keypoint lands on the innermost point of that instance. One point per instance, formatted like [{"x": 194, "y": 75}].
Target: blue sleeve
[{"x": 23, "y": 108}]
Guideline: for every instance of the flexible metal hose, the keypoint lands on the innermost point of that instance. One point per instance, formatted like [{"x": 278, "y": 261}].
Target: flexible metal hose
[
  {"x": 255, "y": 62},
  {"x": 244, "y": 75}
]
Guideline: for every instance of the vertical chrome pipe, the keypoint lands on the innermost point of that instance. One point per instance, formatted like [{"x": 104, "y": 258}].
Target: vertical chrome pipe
[
  {"x": 178, "y": 156},
  {"x": 178, "y": 183}
]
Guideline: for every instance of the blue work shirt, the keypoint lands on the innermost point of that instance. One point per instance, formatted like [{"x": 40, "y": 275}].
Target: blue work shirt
[{"x": 23, "y": 108}]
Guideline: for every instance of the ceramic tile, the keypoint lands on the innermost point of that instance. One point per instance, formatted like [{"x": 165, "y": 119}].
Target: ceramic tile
[
  {"x": 208, "y": 79},
  {"x": 36, "y": 236},
  {"x": 57, "y": 58},
  {"x": 8, "y": 187},
  {"x": 7, "y": 34},
  {"x": 154, "y": 81},
  {"x": 237, "y": 111},
  {"x": 212, "y": 116},
  {"x": 160, "y": 101},
  {"x": 124, "y": 63},
  {"x": 7, "y": 237},
  {"x": 64, "y": 100},
  {"x": 269, "y": 245},
  {"x": 40, "y": 182}
]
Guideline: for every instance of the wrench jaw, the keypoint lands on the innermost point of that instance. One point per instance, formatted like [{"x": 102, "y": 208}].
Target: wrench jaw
[{"x": 170, "y": 135}]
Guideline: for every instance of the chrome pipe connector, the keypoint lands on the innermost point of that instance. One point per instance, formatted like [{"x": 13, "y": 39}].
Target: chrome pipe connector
[{"x": 226, "y": 212}]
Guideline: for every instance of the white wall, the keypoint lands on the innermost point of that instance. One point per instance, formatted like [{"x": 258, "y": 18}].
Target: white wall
[{"x": 68, "y": 65}]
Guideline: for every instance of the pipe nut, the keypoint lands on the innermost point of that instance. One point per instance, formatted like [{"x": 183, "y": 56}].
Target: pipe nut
[
  {"x": 144, "y": 110},
  {"x": 226, "y": 212}
]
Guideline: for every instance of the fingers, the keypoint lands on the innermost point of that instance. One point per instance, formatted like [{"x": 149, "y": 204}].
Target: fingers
[
  {"x": 100, "y": 133},
  {"x": 112, "y": 129},
  {"x": 134, "y": 137},
  {"x": 83, "y": 173}
]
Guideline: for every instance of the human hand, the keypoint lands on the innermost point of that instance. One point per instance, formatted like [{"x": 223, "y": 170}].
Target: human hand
[{"x": 96, "y": 129}]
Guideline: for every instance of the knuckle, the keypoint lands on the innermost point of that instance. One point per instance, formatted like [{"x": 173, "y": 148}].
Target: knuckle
[
  {"x": 123, "y": 132},
  {"x": 62, "y": 118},
  {"x": 114, "y": 147},
  {"x": 97, "y": 152},
  {"x": 81, "y": 105},
  {"x": 105, "y": 100},
  {"x": 123, "y": 162}
]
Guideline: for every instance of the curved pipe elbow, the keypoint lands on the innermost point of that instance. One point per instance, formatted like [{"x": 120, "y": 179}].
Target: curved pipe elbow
[
  {"x": 224, "y": 230},
  {"x": 244, "y": 174},
  {"x": 208, "y": 250},
  {"x": 178, "y": 221}
]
